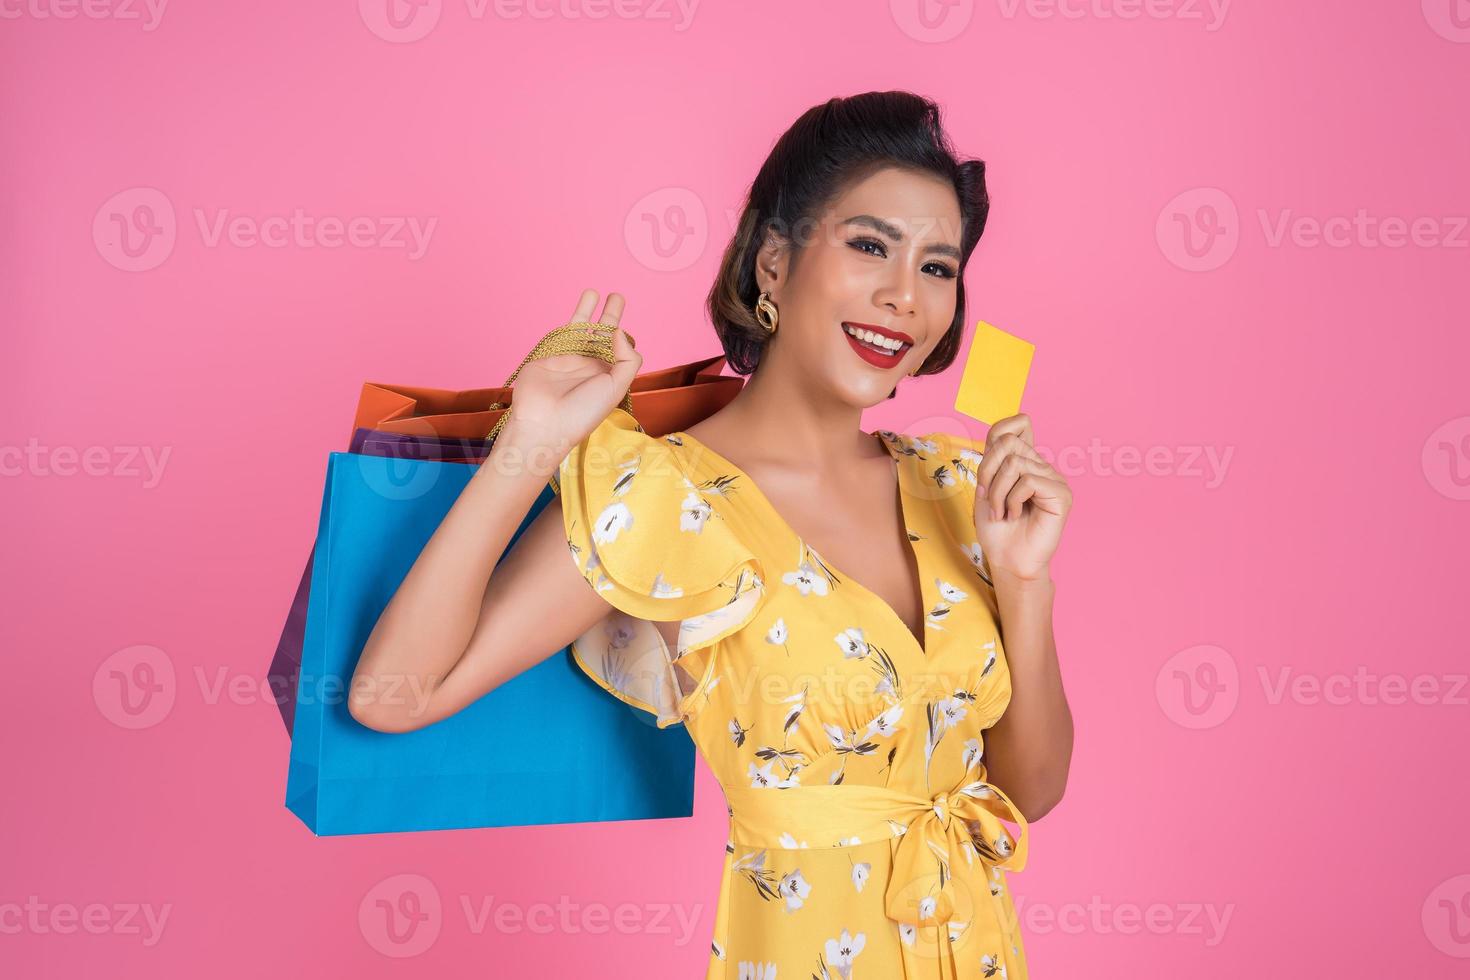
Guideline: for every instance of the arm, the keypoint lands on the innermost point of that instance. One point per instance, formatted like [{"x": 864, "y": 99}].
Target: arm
[
  {"x": 453, "y": 631},
  {"x": 1021, "y": 506},
  {"x": 1029, "y": 751}
]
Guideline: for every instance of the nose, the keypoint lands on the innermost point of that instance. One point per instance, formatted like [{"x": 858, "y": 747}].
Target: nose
[{"x": 899, "y": 295}]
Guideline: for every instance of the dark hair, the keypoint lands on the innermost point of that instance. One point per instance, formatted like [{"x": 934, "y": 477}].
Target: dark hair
[{"x": 831, "y": 147}]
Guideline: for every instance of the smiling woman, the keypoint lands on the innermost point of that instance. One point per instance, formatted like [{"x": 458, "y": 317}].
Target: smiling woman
[{"x": 851, "y": 722}]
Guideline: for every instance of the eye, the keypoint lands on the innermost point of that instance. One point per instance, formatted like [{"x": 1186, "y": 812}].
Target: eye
[{"x": 944, "y": 271}]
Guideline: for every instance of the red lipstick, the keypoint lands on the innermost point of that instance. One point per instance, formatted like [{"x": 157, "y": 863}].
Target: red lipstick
[{"x": 879, "y": 357}]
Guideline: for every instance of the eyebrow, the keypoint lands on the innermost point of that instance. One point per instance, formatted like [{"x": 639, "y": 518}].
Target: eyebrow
[{"x": 892, "y": 231}]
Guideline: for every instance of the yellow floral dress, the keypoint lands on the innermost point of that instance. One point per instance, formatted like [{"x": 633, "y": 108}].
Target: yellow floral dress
[{"x": 864, "y": 839}]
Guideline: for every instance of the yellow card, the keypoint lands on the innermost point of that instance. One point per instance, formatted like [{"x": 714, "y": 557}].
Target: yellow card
[{"x": 995, "y": 375}]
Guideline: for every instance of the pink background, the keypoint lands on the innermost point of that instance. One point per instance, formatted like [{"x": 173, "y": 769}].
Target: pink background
[{"x": 1213, "y": 827}]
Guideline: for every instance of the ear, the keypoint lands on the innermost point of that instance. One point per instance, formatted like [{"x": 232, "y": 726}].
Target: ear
[{"x": 772, "y": 262}]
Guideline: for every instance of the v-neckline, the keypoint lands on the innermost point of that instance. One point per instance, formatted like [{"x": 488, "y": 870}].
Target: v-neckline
[{"x": 922, "y": 640}]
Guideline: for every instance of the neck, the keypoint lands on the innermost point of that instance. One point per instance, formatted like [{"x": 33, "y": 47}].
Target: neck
[{"x": 776, "y": 412}]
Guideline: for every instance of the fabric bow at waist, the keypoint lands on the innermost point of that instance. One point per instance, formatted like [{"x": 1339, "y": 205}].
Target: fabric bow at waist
[{"x": 933, "y": 832}]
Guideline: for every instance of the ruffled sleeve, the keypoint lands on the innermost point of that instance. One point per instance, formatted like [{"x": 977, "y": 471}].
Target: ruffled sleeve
[{"x": 646, "y": 538}]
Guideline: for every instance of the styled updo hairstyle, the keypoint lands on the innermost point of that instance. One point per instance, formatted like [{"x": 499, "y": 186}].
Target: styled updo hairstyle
[{"x": 830, "y": 148}]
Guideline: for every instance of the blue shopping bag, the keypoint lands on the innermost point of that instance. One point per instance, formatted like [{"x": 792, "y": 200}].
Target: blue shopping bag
[{"x": 548, "y": 746}]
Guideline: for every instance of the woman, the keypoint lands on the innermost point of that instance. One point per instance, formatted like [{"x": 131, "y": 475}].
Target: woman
[{"x": 869, "y": 733}]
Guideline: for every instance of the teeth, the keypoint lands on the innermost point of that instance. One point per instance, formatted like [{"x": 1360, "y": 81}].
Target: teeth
[{"x": 876, "y": 340}]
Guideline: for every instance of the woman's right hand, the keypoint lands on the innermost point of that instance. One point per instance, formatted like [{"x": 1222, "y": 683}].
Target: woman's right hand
[{"x": 561, "y": 399}]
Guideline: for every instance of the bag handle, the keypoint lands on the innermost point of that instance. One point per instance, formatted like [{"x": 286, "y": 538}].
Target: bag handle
[{"x": 576, "y": 337}]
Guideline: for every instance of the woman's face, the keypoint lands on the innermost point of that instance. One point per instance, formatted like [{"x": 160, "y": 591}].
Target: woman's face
[{"x": 884, "y": 257}]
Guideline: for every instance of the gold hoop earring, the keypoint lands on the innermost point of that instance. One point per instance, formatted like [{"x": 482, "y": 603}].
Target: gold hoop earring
[{"x": 765, "y": 312}]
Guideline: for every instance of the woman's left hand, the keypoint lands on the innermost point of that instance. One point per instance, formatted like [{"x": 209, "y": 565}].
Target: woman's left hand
[{"x": 1021, "y": 503}]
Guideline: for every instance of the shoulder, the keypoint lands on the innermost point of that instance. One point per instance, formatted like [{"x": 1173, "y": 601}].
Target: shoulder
[
  {"x": 640, "y": 529},
  {"x": 940, "y": 459}
]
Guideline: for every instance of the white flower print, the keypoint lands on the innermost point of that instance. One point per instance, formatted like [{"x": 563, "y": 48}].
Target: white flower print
[
  {"x": 967, "y": 464},
  {"x": 798, "y": 705},
  {"x": 789, "y": 842},
  {"x": 949, "y": 592},
  {"x": 860, "y": 872},
  {"x": 907, "y": 932},
  {"x": 694, "y": 513},
  {"x": 756, "y": 971},
  {"x": 806, "y": 580},
  {"x": 885, "y": 724},
  {"x": 852, "y": 643},
  {"x": 951, "y": 711},
  {"x": 614, "y": 520},
  {"x": 927, "y": 906},
  {"x": 843, "y": 950},
  {"x": 777, "y": 634},
  {"x": 977, "y": 558},
  {"x": 846, "y": 741},
  {"x": 763, "y": 778},
  {"x": 972, "y": 753},
  {"x": 796, "y": 889},
  {"x": 663, "y": 590},
  {"x": 989, "y": 659},
  {"x": 990, "y": 966}
]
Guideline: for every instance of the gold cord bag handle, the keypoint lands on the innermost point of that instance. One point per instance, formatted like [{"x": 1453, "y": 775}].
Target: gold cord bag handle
[{"x": 577, "y": 337}]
